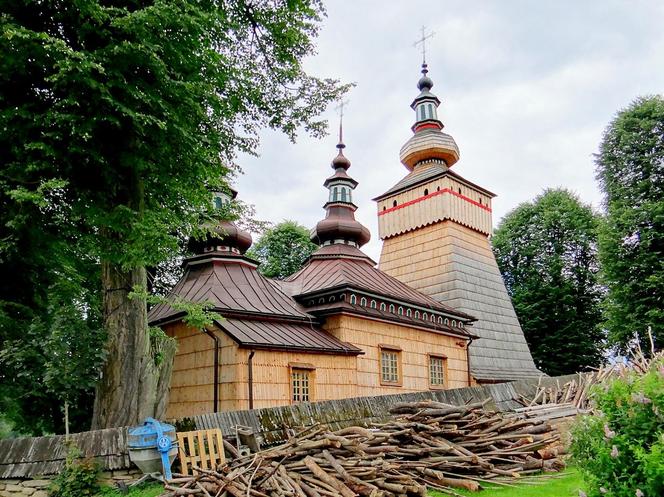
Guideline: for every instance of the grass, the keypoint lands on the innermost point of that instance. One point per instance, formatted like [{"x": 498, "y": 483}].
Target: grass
[
  {"x": 147, "y": 490},
  {"x": 567, "y": 485}
]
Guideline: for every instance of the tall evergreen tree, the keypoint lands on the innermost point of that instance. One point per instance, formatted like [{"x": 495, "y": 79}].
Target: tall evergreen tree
[
  {"x": 119, "y": 117},
  {"x": 282, "y": 249},
  {"x": 547, "y": 252},
  {"x": 630, "y": 169}
]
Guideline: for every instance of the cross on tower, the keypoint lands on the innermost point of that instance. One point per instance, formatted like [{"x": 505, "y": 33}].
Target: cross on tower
[
  {"x": 340, "y": 109},
  {"x": 422, "y": 41}
]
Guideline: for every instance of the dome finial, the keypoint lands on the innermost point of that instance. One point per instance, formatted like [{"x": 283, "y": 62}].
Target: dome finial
[{"x": 340, "y": 160}]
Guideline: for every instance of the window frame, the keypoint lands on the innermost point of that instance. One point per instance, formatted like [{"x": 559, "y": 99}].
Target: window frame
[
  {"x": 397, "y": 351},
  {"x": 310, "y": 371},
  {"x": 437, "y": 386}
]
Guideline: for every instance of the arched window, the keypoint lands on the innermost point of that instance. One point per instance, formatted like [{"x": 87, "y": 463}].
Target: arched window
[
  {"x": 417, "y": 314},
  {"x": 343, "y": 194},
  {"x": 433, "y": 318},
  {"x": 400, "y": 311},
  {"x": 459, "y": 190},
  {"x": 480, "y": 200},
  {"x": 353, "y": 299},
  {"x": 438, "y": 188},
  {"x": 343, "y": 297},
  {"x": 454, "y": 323},
  {"x": 217, "y": 202},
  {"x": 363, "y": 302},
  {"x": 373, "y": 304},
  {"x": 392, "y": 308},
  {"x": 426, "y": 191},
  {"x": 383, "y": 307},
  {"x": 447, "y": 322},
  {"x": 335, "y": 194},
  {"x": 384, "y": 207},
  {"x": 430, "y": 111},
  {"x": 332, "y": 298},
  {"x": 321, "y": 300},
  {"x": 440, "y": 320},
  {"x": 394, "y": 204},
  {"x": 425, "y": 316},
  {"x": 409, "y": 313}
]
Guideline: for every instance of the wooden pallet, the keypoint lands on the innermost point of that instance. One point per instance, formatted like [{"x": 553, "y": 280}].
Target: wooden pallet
[{"x": 203, "y": 449}]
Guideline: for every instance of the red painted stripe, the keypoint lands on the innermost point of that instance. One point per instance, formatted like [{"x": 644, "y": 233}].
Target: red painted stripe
[{"x": 439, "y": 192}]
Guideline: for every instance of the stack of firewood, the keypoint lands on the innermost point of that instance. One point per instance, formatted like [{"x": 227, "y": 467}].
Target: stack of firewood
[{"x": 426, "y": 444}]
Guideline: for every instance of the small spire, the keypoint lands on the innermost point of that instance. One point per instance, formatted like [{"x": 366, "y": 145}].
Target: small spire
[
  {"x": 422, "y": 41},
  {"x": 340, "y": 108}
]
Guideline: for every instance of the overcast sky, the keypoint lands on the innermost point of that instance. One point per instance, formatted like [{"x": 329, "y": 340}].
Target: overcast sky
[{"x": 527, "y": 88}]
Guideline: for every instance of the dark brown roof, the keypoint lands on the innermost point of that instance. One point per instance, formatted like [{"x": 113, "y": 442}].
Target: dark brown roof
[
  {"x": 287, "y": 336},
  {"x": 356, "y": 271},
  {"x": 428, "y": 172},
  {"x": 233, "y": 286}
]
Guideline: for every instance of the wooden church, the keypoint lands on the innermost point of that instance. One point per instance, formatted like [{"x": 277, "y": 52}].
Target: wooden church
[{"x": 433, "y": 315}]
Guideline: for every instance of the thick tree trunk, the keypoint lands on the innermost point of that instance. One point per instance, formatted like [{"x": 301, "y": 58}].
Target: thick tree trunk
[{"x": 132, "y": 386}]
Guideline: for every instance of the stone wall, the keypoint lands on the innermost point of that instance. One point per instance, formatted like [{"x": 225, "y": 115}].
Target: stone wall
[{"x": 38, "y": 486}]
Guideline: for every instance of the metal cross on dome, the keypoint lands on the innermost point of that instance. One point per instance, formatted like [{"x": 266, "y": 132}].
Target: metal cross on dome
[
  {"x": 340, "y": 108},
  {"x": 422, "y": 41}
]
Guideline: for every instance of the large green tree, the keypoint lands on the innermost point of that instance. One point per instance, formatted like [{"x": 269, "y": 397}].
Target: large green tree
[
  {"x": 119, "y": 117},
  {"x": 630, "y": 169},
  {"x": 282, "y": 249},
  {"x": 547, "y": 252}
]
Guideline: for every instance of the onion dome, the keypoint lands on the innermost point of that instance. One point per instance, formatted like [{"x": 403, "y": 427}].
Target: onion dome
[
  {"x": 225, "y": 236},
  {"x": 428, "y": 140},
  {"x": 339, "y": 225}
]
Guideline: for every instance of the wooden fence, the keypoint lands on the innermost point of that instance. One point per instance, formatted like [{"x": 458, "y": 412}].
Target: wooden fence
[{"x": 29, "y": 457}]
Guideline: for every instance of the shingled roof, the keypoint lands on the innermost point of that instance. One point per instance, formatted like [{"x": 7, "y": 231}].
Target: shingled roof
[
  {"x": 343, "y": 266},
  {"x": 258, "y": 314}
]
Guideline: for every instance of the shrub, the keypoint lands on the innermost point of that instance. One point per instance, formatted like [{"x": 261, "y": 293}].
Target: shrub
[
  {"x": 79, "y": 478},
  {"x": 621, "y": 450}
]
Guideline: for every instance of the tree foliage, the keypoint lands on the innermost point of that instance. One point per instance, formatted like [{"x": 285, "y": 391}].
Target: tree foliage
[
  {"x": 117, "y": 119},
  {"x": 547, "y": 252},
  {"x": 283, "y": 249},
  {"x": 630, "y": 169}
]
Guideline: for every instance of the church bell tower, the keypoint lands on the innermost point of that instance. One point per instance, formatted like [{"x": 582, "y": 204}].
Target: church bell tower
[{"x": 435, "y": 226}]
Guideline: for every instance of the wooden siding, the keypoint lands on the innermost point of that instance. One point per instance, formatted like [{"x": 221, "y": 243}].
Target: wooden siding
[
  {"x": 415, "y": 345},
  {"x": 192, "y": 383},
  {"x": 455, "y": 265},
  {"x": 447, "y": 198},
  {"x": 334, "y": 376}
]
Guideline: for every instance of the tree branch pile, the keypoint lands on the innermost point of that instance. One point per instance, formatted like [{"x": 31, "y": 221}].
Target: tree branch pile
[{"x": 426, "y": 445}]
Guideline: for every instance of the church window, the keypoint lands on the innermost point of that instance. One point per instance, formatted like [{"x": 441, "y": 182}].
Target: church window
[
  {"x": 335, "y": 197},
  {"x": 383, "y": 307},
  {"x": 301, "y": 384},
  {"x": 480, "y": 200},
  {"x": 343, "y": 297},
  {"x": 343, "y": 194},
  {"x": 400, "y": 311},
  {"x": 394, "y": 204},
  {"x": 392, "y": 308},
  {"x": 353, "y": 299},
  {"x": 373, "y": 304},
  {"x": 440, "y": 320},
  {"x": 426, "y": 191},
  {"x": 384, "y": 207},
  {"x": 430, "y": 106},
  {"x": 332, "y": 298},
  {"x": 417, "y": 314},
  {"x": 447, "y": 322},
  {"x": 454, "y": 323},
  {"x": 409, "y": 313},
  {"x": 425, "y": 316},
  {"x": 437, "y": 371},
  {"x": 438, "y": 188},
  {"x": 433, "y": 318},
  {"x": 217, "y": 202},
  {"x": 390, "y": 366},
  {"x": 363, "y": 302}
]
